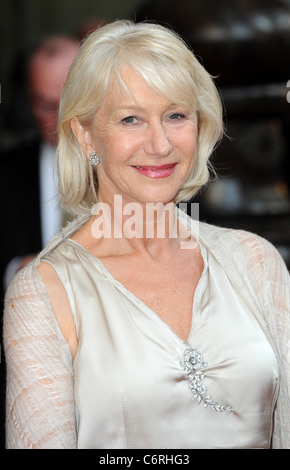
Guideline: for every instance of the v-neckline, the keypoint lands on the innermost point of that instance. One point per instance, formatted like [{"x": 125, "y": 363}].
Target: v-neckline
[{"x": 196, "y": 297}]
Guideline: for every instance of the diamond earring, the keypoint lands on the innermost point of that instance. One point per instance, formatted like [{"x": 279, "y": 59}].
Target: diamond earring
[{"x": 94, "y": 159}]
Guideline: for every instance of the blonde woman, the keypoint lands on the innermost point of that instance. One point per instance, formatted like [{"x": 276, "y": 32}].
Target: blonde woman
[{"x": 141, "y": 328}]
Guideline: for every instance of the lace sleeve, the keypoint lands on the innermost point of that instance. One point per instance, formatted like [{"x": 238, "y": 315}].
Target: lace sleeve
[
  {"x": 270, "y": 280},
  {"x": 39, "y": 405},
  {"x": 279, "y": 279}
]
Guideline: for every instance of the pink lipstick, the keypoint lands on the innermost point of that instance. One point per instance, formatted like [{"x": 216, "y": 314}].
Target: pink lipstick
[{"x": 161, "y": 171}]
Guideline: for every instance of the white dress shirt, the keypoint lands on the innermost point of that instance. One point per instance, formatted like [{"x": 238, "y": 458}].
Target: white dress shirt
[{"x": 50, "y": 213}]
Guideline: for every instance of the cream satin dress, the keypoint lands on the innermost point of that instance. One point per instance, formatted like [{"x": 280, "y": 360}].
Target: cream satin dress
[{"x": 138, "y": 385}]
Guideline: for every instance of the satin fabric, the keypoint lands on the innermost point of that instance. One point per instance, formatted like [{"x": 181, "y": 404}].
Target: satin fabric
[{"x": 130, "y": 388}]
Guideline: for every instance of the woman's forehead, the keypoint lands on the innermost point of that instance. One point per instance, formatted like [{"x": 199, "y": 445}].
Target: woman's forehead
[
  {"x": 131, "y": 85},
  {"x": 135, "y": 94}
]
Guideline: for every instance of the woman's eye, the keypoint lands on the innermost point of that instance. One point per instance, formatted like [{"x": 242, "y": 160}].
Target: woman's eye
[
  {"x": 177, "y": 116},
  {"x": 129, "y": 120}
]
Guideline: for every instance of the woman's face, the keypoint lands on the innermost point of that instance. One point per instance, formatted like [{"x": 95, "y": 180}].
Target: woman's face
[{"x": 145, "y": 142}]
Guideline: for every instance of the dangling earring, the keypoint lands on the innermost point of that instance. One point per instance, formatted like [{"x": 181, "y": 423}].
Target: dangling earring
[{"x": 94, "y": 159}]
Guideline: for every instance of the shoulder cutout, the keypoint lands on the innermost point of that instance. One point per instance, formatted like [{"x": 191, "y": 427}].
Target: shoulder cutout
[{"x": 60, "y": 304}]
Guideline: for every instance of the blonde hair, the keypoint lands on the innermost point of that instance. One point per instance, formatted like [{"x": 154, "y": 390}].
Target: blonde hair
[{"x": 168, "y": 66}]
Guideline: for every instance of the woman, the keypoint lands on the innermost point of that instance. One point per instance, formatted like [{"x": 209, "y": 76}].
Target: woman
[{"x": 145, "y": 331}]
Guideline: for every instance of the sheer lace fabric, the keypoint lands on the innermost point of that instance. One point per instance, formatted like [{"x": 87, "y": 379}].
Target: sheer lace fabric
[
  {"x": 40, "y": 402},
  {"x": 271, "y": 283}
]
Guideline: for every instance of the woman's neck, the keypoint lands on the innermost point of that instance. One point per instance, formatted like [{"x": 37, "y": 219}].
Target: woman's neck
[{"x": 152, "y": 227}]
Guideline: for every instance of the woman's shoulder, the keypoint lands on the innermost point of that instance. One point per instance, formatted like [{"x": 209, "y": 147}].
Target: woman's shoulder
[
  {"x": 218, "y": 235},
  {"x": 37, "y": 298},
  {"x": 222, "y": 237},
  {"x": 26, "y": 303},
  {"x": 26, "y": 282},
  {"x": 244, "y": 249}
]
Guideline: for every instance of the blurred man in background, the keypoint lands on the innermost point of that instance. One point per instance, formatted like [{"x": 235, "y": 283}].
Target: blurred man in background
[
  {"x": 29, "y": 210},
  {"x": 27, "y": 172}
]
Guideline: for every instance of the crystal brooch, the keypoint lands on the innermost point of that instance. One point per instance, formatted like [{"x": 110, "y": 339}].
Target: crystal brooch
[{"x": 193, "y": 364}]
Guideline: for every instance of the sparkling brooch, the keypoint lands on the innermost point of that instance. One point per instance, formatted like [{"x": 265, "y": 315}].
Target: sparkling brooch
[{"x": 193, "y": 365}]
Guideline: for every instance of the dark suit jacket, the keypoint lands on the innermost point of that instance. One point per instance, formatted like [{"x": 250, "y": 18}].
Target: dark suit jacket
[
  {"x": 19, "y": 203},
  {"x": 20, "y": 221}
]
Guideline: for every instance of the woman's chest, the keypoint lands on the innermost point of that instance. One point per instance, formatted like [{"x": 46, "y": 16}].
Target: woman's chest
[{"x": 167, "y": 289}]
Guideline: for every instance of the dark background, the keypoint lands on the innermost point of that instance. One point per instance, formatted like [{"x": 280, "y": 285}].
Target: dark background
[{"x": 244, "y": 44}]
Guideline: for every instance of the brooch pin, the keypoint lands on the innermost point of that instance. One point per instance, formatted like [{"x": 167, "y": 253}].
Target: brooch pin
[{"x": 193, "y": 364}]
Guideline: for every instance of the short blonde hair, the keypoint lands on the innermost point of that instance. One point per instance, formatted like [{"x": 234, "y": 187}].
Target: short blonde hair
[{"x": 168, "y": 66}]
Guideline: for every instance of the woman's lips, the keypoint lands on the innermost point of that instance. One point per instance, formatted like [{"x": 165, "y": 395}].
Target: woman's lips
[{"x": 161, "y": 171}]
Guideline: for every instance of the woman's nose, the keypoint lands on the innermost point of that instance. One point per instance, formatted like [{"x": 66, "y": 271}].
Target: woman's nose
[{"x": 157, "y": 142}]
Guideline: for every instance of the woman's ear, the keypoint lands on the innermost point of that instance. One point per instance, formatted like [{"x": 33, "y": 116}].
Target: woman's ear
[{"x": 82, "y": 135}]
